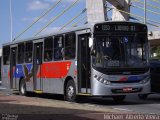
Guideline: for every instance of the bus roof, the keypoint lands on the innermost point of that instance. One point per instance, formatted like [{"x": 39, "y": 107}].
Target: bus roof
[
  {"x": 51, "y": 34},
  {"x": 87, "y": 26}
]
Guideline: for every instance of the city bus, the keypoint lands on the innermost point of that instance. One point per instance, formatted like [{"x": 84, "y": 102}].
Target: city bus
[{"x": 102, "y": 59}]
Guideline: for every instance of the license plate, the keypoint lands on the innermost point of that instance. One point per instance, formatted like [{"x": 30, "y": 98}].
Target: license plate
[{"x": 127, "y": 89}]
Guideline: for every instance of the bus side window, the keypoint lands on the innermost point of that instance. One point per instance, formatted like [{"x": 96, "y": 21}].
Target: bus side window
[
  {"x": 28, "y": 52},
  {"x": 21, "y": 53},
  {"x": 58, "y": 48},
  {"x": 70, "y": 45},
  {"x": 48, "y": 49},
  {"x": 6, "y": 54}
]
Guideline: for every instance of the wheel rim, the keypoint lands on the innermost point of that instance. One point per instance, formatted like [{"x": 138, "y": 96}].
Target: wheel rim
[{"x": 70, "y": 91}]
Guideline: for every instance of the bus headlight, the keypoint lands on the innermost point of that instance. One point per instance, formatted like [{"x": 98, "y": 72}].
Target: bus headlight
[
  {"x": 106, "y": 82},
  {"x": 102, "y": 80},
  {"x": 145, "y": 80}
]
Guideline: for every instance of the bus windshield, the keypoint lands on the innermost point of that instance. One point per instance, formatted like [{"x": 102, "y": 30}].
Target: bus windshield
[{"x": 120, "y": 51}]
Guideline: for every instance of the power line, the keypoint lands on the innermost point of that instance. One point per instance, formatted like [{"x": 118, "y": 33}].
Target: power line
[
  {"x": 55, "y": 18},
  {"x": 86, "y": 22},
  {"x": 153, "y": 24},
  {"x": 156, "y": 1},
  {"x": 147, "y": 22},
  {"x": 153, "y": 6},
  {"x": 146, "y": 9},
  {"x": 83, "y": 11},
  {"x": 35, "y": 21},
  {"x": 136, "y": 15},
  {"x": 75, "y": 23}
]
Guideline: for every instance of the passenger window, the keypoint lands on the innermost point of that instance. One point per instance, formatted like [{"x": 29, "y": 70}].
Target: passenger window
[
  {"x": 70, "y": 45},
  {"x": 21, "y": 53},
  {"x": 48, "y": 49},
  {"x": 28, "y": 52},
  {"x": 59, "y": 48},
  {"x": 6, "y": 54}
]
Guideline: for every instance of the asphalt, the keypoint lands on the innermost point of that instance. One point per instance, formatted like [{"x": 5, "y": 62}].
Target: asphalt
[
  {"x": 53, "y": 106},
  {"x": 47, "y": 107}
]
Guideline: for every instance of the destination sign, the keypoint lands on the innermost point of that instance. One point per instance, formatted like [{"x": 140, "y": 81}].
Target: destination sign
[{"x": 120, "y": 28}]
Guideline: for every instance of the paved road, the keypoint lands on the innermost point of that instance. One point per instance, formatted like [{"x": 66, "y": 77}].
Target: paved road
[
  {"x": 90, "y": 108},
  {"x": 131, "y": 104},
  {"x": 47, "y": 107}
]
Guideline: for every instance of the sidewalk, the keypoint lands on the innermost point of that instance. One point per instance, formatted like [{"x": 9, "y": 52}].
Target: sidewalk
[{"x": 1, "y": 87}]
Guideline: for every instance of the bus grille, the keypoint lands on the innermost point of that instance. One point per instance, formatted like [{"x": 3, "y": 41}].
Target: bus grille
[
  {"x": 134, "y": 90},
  {"x": 137, "y": 81}
]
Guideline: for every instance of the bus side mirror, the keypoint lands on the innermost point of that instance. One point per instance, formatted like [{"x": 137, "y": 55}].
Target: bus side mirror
[
  {"x": 90, "y": 42},
  {"x": 93, "y": 52}
]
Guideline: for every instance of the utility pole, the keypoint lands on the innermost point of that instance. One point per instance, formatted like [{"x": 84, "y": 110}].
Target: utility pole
[
  {"x": 11, "y": 27},
  {"x": 145, "y": 15}
]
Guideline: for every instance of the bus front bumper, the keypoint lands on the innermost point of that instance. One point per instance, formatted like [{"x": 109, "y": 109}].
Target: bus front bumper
[{"x": 100, "y": 89}]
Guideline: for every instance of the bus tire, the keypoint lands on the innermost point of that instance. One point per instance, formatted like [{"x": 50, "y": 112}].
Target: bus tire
[
  {"x": 119, "y": 98},
  {"x": 70, "y": 92},
  {"x": 143, "y": 96},
  {"x": 22, "y": 88}
]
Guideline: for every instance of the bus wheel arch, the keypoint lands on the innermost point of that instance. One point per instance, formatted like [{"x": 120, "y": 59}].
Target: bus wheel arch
[
  {"x": 69, "y": 89},
  {"x": 22, "y": 86}
]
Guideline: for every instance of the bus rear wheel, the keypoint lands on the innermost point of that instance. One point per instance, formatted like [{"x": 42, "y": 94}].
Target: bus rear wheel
[
  {"x": 70, "y": 91},
  {"x": 22, "y": 88},
  {"x": 119, "y": 98}
]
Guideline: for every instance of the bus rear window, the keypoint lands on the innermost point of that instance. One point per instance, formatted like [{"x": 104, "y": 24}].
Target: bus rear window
[{"x": 6, "y": 54}]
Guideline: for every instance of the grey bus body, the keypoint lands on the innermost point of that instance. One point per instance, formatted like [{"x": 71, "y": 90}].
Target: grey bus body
[{"x": 92, "y": 68}]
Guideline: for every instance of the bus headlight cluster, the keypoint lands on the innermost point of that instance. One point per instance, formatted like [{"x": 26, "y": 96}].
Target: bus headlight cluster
[
  {"x": 104, "y": 81},
  {"x": 145, "y": 80}
]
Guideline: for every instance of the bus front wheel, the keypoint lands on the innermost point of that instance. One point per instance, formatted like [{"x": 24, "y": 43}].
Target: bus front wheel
[
  {"x": 119, "y": 98},
  {"x": 70, "y": 92},
  {"x": 22, "y": 88}
]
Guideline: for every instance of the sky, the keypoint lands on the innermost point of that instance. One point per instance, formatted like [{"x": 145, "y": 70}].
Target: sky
[{"x": 25, "y": 11}]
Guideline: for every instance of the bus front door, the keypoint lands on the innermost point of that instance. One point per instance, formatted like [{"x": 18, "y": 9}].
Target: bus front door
[
  {"x": 37, "y": 64},
  {"x": 13, "y": 67},
  {"x": 83, "y": 65}
]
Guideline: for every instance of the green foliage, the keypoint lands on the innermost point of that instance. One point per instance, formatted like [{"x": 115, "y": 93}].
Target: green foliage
[{"x": 157, "y": 51}]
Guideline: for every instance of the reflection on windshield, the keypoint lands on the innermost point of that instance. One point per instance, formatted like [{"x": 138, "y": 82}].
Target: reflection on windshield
[{"x": 120, "y": 51}]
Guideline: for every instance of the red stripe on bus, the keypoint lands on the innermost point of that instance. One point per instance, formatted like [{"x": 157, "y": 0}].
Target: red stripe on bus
[
  {"x": 9, "y": 74},
  {"x": 55, "y": 69},
  {"x": 123, "y": 79},
  {"x": 13, "y": 70}
]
